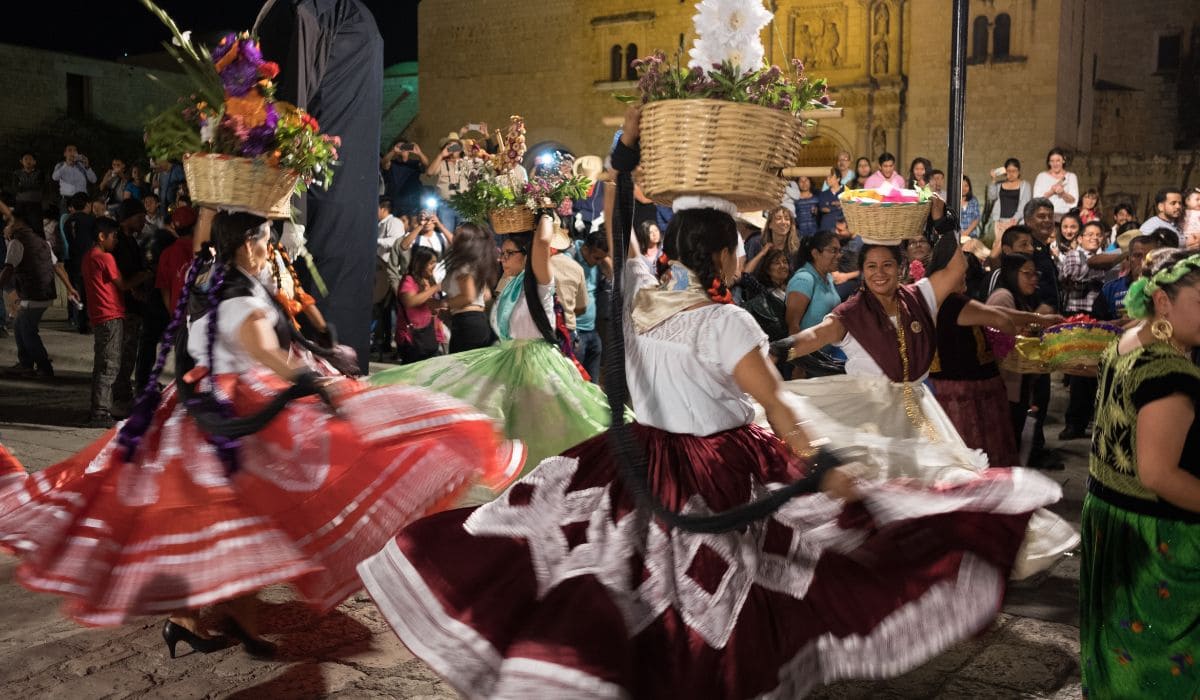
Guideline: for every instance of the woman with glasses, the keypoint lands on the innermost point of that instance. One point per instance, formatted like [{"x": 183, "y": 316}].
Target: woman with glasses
[
  {"x": 812, "y": 295},
  {"x": 526, "y": 382},
  {"x": 1017, "y": 289}
]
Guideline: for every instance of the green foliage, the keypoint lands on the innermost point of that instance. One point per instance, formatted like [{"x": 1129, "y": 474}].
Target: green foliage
[{"x": 768, "y": 86}]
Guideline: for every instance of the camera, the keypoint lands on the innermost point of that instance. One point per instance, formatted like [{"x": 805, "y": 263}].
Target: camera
[
  {"x": 455, "y": 147},
  {"x": 406, "y": 146}
]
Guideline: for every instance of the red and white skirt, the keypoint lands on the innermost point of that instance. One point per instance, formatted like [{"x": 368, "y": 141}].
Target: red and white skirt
[
  {"x": 314, "y": 495},
  {"x": 561, "y": 588}
]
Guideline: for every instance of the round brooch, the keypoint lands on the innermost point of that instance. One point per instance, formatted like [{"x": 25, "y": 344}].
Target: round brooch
[{"x": 916, "y": 326}]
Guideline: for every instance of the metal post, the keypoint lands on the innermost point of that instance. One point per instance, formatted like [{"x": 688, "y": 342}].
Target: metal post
[{"x": 958, "y": 99}]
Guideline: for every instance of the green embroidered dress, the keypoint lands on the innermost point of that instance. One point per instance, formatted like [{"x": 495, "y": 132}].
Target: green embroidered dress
[
  {"x": 1140, "y": 580},
  {"x": 524, "y": 383}
]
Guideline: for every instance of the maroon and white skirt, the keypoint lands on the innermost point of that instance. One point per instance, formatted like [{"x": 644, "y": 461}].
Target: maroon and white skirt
[{"x": 562, "y": 588}]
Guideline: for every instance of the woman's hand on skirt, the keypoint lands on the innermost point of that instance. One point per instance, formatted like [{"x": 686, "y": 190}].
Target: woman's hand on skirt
[{"x": 841, "y": 483}]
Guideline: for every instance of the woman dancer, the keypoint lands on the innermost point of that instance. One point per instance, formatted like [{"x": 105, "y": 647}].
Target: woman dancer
[
  {"x": 526, "y": 382},
  {"x": 256, "y": 471},
  {"x": 1140, "y": 574},
  {"x": 574, "y": 590}
]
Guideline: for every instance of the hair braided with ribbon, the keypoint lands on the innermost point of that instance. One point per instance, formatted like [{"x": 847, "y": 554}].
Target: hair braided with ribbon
[{"x": 1139, "y": 299}]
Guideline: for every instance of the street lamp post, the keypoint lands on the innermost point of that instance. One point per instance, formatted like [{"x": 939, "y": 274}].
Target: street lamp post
[{"x": 958, "y": 98}]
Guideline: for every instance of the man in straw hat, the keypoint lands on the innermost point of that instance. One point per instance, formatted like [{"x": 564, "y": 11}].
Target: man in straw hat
[{"x": 331, "y": 64}]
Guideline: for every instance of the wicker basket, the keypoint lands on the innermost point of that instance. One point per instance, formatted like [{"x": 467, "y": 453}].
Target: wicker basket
[
  {"x": 511, "y": 219},
  {"x": 1015, "y": 362},
  {"x": 886, "y": 222},
  {"x": 240, "y": 184},
  {"x": 717, "y": 148}
]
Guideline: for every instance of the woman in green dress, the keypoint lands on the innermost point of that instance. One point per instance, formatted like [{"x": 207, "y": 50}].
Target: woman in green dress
[
  {"x": 534, "y": 391},
  {"x": 1140, "y": 580}
]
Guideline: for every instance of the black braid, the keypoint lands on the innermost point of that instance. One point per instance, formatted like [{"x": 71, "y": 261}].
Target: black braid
[
  {"x": 627, "y": 448},
  {"x": 533, "y": 301}
]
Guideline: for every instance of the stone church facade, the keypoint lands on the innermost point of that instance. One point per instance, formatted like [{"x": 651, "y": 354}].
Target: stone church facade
[{"x": 1112, "y": 82}]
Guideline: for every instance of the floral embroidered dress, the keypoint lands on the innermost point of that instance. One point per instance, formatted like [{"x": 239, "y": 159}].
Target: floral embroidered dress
[
  {"x": 564, "y": 587},
  {"x": 1139, "y": 583},
  {"x": 313, "y": 493}
]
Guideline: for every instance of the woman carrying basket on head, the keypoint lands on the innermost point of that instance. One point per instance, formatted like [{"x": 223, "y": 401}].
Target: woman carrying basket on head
[
  {"x": 567, "y": 585},
  {"x": 527, "y": 383},
  {"x": 253, "y": 469}
]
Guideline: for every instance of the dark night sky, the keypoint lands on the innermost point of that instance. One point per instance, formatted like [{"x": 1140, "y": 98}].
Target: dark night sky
[{"x": 111, "y": 28}]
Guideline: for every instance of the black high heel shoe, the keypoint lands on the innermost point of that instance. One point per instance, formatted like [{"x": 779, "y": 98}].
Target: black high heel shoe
[
  {"x": 255, "y": 646},
  {"x": 173, "y": 634}
]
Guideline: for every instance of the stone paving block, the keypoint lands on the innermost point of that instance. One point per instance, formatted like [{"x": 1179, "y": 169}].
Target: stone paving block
[
  {"x": 1028, "y": 668},
  {"x": 96, "y": 659},
  {"x": 962, "y": 688},
  {"x": 385, "y": 651},
  {"x": 29, "y": 661},
  {"x": 111, "y": 683}
]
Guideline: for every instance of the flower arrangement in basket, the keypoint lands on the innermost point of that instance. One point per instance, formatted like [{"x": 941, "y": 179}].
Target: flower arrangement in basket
[
  {"x": 241, "y": 148},
  {"x": 725, "y": 124},
  {"x": 886, "y": 215},
  {"x": 1076, "y": 343},
  {"x": 502, "y": 195}
]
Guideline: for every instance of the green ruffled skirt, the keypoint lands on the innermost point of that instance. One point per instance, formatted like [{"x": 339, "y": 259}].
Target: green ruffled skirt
[
  {"x": 1139, "y": 604},
  {"x": 528, "y": 386}
]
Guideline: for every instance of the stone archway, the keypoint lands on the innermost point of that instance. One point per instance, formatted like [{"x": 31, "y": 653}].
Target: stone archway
[{"x": 822, "y": 150}]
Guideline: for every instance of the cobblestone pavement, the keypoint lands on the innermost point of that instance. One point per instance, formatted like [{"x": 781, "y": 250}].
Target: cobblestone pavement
[{"x": 1031, "y": 650}]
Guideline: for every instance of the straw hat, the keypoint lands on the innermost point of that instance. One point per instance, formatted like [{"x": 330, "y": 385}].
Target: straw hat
[
  {"x": 591, "y": 167},
  {"x": 449, "y": 138},
  {"x": 561, "y": 239},
  {"x": 1126, "y": 238}
]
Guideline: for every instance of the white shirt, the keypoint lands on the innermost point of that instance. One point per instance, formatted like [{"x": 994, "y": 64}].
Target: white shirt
[
  {"x": 681, "y": 371},
  {"x": 230, "y": 356},
  {"x": 859, "y": 361},
  {"x": 520, "y": 323},
  {"x": 72, "y": 178},
  {"x": 1043, "y": 183},
  {"x": 391, "y": 230},
  {"x": 434, "y": 241},
  {"x": 1156, "y": 222},
  {"x": 452, "y": 289}
]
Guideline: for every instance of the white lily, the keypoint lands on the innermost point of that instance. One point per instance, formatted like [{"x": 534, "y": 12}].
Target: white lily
[
  {"x": 187, "y": 39},
  {"x": 729, "y": 30}
]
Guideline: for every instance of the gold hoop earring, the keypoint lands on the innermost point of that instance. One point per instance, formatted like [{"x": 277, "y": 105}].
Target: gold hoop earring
[{"x": 1162, "y": 330}]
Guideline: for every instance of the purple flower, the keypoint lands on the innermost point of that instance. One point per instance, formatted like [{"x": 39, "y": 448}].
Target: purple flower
[
  {"x": 224, "y": 46},
  {"x": 240, "y": 76},
  {"x": 824, "y": 99}
]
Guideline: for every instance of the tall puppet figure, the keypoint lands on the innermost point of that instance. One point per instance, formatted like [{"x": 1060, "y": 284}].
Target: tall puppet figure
[{"x": 331, "y": 65}]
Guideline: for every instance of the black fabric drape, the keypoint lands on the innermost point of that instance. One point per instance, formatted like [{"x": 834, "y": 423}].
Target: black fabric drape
[{"x": 330, "y": 56}]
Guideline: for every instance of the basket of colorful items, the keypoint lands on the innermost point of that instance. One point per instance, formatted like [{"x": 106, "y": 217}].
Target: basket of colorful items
[
  {"x": 886, "y": 215},
  {"x": 1020, "y": 355},
  {"x": 503, "y": 195},
  {"x": 241, "y": 149},
  {"x": 1074, "y": 346}
]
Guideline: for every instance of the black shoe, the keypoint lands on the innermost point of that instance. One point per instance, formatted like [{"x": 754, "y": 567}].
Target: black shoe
[
  {"x": 173, "y": 634},
  {"x": 255, "y": 646},
  {"x": 1046, "y": 462},
  {"x": 44, "y": 372},
  {"x": 1069, "y": 433}
]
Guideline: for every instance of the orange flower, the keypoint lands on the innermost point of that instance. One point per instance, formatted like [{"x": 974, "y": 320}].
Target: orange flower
[
  {"x": 229, "y": 57},
  {"x": 251, "y": 108}
]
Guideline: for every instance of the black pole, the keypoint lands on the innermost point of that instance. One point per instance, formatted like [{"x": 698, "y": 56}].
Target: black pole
[{"x": 958, "y": 99}]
